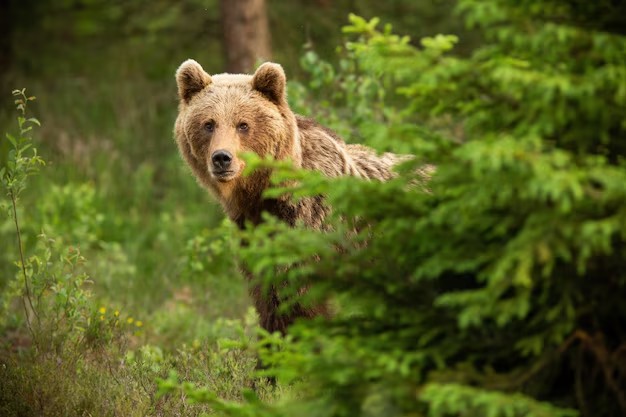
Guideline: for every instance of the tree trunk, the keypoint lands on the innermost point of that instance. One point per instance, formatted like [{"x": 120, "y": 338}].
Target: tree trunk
[{"x": 246, "y": 34}]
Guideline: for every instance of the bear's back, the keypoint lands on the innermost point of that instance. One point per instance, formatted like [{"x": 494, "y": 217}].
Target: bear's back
[{"x": 323, "y": 150}]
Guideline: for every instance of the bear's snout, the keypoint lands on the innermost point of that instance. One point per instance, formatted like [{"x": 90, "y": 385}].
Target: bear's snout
[{"x": 221, "y": 160}]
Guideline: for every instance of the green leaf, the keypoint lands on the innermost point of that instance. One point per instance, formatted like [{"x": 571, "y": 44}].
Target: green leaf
[{"x": 12, "y": 140}]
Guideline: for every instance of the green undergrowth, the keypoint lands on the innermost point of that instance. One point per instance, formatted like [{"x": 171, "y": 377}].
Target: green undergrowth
[{"x": 119, "y": 276}]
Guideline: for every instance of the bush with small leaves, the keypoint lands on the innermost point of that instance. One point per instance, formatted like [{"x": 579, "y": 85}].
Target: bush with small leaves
[{"x": 496, "y": 289}]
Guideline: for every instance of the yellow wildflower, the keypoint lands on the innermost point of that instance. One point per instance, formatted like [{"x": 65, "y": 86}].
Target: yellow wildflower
[
  {"x": 101, "y": 318},
  {"x": 102, "y": 310},
  {"x": 129, "y": 320},
  {"x": 117, "y": 313},
  {"x": 138, "y": 323}
]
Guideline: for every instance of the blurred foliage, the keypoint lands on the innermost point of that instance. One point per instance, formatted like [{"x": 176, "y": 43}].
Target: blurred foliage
[{"x": 116, "y": 39}]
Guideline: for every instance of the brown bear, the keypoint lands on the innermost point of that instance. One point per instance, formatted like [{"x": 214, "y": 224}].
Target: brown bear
[{"x": 223, "y": 115}]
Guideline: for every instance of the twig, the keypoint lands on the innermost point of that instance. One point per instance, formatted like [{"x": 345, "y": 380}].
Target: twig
[
  {"x": 579, "y": 387},
  {"x": 597, "y": 347},
  {"x": 23, "y": 265}
]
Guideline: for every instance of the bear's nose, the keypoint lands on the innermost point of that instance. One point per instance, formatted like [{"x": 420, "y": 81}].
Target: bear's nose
[{"x": 221, "y": 159}]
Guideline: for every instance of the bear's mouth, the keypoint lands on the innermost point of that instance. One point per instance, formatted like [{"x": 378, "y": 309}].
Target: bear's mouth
[{"x": 223, "y": 175}]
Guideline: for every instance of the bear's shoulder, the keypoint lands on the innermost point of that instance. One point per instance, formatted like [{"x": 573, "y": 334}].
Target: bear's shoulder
[{"x": 323, "y": 150}]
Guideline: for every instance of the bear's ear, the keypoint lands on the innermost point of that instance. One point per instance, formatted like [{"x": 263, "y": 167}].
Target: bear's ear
[
  {"x": 191, "y": 79},
  {"x": 270, "y": 80}
]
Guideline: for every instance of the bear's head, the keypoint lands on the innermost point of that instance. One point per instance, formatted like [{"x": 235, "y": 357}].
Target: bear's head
[{"x": 221, "y": 116}]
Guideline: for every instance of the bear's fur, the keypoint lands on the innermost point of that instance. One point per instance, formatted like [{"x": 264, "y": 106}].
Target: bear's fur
[{"x": 223, "y": 115}]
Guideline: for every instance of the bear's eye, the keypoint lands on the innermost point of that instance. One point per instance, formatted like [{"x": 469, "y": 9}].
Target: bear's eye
[
  {"x": 243, "y": 127},
  {"x": 210, "y": 126}
]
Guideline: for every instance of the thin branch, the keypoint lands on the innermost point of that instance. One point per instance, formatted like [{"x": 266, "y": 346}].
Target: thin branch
[
  {"x": 597, "y": 347},
  {"x": 23, "y": 265}
]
